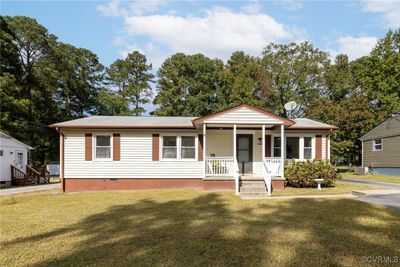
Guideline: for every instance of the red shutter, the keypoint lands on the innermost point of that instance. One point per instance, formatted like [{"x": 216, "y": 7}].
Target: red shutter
[
  {"x": 318, "y": 147},
  {"x": 268, "y": 145},
  {"x": 156, "y": 147},
  {"x": 88, "y": 146},
  {"x": 116, "y": 146},
  {"x": 200, "y": 148}
]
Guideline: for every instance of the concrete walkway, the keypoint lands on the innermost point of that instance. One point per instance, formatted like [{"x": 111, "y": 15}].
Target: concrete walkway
[
  {"x": 27, "y": 189},
  {"x": 371, "y": 183},
  {"x": 389, "y": 196},
  {"x": 315, "y": 196}
]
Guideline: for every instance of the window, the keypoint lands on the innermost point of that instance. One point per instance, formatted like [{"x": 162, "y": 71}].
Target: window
[
  {"x": 169, "y": 149},
  {"x": 188, "y": 148},
  {"x": 103, "y": 147},
  {"x": 377, "y": 145},
  {"x": 292, "y": 147},
  {"x": 20, "y": 158},
  {"x": 307, "y": 148},
  {"x": 1, "y": 153},
  {"x": 277, "y": 146},
  {"x": 178, "y": 147}
]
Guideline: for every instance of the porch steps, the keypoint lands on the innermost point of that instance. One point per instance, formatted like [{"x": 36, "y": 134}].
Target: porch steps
[{"x": 252, "y": 188}]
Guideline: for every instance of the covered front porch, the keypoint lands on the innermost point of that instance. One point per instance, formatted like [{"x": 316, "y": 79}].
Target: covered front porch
[{"x": 237, "y": 145}]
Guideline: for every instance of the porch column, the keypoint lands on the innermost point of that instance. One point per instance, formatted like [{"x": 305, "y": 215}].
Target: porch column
[
  {"x": 234, "y": 141},
  {"x": 204, "y": 149},
  {"x": 263, "y": 143},
  {"x": 283, "y": 150}
]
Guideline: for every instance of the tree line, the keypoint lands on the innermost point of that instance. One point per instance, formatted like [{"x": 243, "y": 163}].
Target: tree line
[{"x": 44, "y": 81}]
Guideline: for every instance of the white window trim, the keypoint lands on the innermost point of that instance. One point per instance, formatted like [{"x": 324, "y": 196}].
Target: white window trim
[
  {"x": 94, "y": 144},
  {"x": 374, "y": 145},
  {"x": 16, "y": 158},
  {"x": 301, "y": 145},
  {"x": 178, "y": 146}
]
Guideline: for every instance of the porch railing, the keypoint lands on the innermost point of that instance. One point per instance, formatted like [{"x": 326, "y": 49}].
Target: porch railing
[
  {"x": 274, "y": 165},
  {"x": 267, "y": 176},
  {"x": 220, "y": 166}
]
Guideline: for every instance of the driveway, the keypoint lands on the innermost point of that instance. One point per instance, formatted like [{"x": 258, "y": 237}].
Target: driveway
[
  {"x": 389, "y": 198},
  {"x": 27, "y": 189}
]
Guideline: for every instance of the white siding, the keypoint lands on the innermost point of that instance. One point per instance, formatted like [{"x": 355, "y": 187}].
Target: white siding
[
  {"x": 136, "y": 160},
  {"x": 10, "y": 149},
  {"x": 244, "y": 115},
  {"x": 323, "y": 147}
]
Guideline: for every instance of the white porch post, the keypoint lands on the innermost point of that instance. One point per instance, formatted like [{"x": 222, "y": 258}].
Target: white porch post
[
  {"x": 283, "y": 150},
  {"x": 204, "y": 148},
  {"x": 234, "y": 141},
  {"x": 263, "y": 143}
]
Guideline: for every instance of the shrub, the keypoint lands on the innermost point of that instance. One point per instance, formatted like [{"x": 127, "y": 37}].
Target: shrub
[{"x": 304, "y": 173}]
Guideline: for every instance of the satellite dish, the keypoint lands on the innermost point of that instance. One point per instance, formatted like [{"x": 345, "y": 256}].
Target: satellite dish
[{"x": 289, "y": 106}]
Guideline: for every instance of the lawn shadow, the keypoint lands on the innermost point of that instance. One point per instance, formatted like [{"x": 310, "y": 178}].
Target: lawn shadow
[{"x": 212, "y": 229}]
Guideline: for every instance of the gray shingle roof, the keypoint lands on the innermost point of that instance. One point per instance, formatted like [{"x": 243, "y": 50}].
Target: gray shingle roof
[
  {"x": 308, "y": 123},
  {"x": 127, "y": 122},
  {"x": 161, "y": 122}
]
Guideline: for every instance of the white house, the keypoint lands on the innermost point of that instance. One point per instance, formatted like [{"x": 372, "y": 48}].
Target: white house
[
  {"x": 220, "y": 151},
  {"x": 12, "y": 153}
]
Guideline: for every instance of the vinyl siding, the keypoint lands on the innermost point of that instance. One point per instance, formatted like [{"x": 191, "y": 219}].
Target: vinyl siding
[
  {"x": 136, "y": 159},
  {"x": 390, "y": 127},
  {"x": 244, "y": 115},
  {"x": 388, "y": 157}
]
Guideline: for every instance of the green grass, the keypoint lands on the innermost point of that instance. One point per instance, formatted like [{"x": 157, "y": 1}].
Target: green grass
[
  {"x": 191, "y": 228},
  {"x": 339, "y": 188},
  {"x": 372, "y": 177}
]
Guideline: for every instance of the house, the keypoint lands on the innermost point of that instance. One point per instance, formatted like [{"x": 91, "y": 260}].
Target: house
[
  {"x": 12, "y": 153},
  {"x": 381, "y": 145},
  {"x": 220, "y": 151}
]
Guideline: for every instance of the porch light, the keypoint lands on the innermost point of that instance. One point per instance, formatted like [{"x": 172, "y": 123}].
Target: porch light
[{"x": 259, "y": 141}]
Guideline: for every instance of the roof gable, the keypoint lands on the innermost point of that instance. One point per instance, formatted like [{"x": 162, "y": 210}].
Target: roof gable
[
  {"x": 389, "y": 127},
  {"x": 243, "y": 114}
]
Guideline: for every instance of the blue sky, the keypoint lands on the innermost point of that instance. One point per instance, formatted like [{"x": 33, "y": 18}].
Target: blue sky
[{"x": 113, "y": 28}]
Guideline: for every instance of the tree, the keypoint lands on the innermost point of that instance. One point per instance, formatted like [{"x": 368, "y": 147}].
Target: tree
[
  {"x": 296, "y": 73},
  {"x": 339, "y": 79},
  {"x": 188, "y": 85},
  {"x": 132, "y": 78},
  {"x": 111, "y": 103},
  {"x": 379, "y": 75},
  {"x": 244, "y": 81},
  {"x": 79, "y": 78}
]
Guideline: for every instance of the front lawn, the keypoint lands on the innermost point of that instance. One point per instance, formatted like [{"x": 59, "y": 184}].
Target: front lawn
[
  {"x": 372, "y": 177},
  {"x": 339, "y": 188},
  {"x": 191, "y": 228}
]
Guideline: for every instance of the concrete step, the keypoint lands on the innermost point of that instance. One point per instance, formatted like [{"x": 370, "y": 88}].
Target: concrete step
[
  {"x": 252, "y": 182},
  {"x": 254, "y": 195},
  {"x": 253, "y": 189},
  {"x": 251, "y": 186}
]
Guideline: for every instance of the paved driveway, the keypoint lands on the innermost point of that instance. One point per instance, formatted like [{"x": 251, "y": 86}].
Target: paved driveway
[
  {"x": 391, "y": 200},
  {"x": 26, "y": 189}
]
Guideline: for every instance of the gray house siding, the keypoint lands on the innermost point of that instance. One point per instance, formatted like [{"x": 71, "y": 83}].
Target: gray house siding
[{"x": 389, "y": 156}]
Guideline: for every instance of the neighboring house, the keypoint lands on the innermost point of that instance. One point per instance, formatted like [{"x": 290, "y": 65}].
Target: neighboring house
[
  {"x": 215, "y": 152},
  {"x": 381, "y": 145},
  {"x": 12, "y": 152}
]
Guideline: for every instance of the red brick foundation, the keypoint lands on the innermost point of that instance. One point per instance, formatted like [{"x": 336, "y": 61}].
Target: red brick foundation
[
  {"x": 214, "y": 185},
  {"x": 97, "y": 184},
  {"x": 278, "y": 185},
  {"x": 73, "y": 185}
]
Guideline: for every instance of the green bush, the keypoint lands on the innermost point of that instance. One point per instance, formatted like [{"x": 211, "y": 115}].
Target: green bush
[{"x": 304, "y": 173}]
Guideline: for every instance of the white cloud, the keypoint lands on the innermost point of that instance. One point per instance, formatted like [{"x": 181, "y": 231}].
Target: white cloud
[
  {"x": 140, "y": 7},
  {"x": 217, "y": 34},
  {"x": 252, "y": 8},
  {"x": 390, "y": 11},
  {"x": 291, "y": 5},
  {"x": 111, "y": 9},
  {"x": 354, "y": 47}
]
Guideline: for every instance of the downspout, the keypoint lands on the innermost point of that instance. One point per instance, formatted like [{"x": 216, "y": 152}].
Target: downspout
[
  {"x": 61, "y": 158},
  {"x": 328, "y": 145}
]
